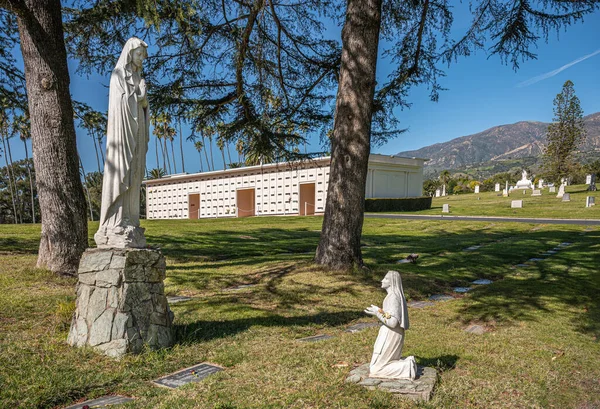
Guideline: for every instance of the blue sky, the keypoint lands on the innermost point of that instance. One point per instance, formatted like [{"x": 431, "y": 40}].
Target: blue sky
[{"x": 481, "y": 93}]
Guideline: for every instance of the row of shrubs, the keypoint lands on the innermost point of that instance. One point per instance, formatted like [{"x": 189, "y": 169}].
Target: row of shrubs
[{"x": 407, "y": 204}]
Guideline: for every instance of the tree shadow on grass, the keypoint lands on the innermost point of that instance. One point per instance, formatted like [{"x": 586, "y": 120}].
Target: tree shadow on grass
[
  {"x": 201, "y": 331},
  {"x": 570, "y": 285}
]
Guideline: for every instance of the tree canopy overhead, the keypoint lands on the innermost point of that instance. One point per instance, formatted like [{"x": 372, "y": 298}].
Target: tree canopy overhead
[{"x": 260, "y": 71}]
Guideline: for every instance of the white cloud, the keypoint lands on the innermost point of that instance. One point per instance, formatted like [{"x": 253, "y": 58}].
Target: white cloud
[{"x": 556, "y": 71}]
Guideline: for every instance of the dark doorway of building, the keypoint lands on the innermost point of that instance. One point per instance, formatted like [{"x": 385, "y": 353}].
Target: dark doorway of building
[
  {"x": 307, "y": 199},
  {"x": 245, "y": 203},
  {"x": 194, "y": 205}
]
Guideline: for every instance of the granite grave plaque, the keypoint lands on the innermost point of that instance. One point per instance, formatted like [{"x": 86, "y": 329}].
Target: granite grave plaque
[
  {"x": 102, "y": 402},
  {"x": 315, "y": 338},
  {"x": 192, "y": 374},
  {"x": 516, "y": 204},
  {"x": 566, "y": 197},
  {"x": 362, "y": 326}
]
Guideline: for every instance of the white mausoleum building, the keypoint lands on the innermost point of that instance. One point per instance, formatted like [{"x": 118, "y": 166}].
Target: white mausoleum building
[{"x": 273, "y": 189}]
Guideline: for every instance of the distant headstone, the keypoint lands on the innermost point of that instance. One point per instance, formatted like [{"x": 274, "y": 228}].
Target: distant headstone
[
  {"x": 477, "y": 189},
  {"x": 505, "y": 193},
  {"x": 566, "y": 197},
  {"x": 540, "y": 183},
  {"x": 497, "y": 187},
  {"x": 438, "y": 193},
  {"x": 592, "y": 184},
  {"x": 588, "y": 179},
  {"x": 561, "y": 191},
  {"x": 516, "y": 204},
  {"x": 536, "y": 192},
  {"x": 446, "y": 208},
  {"x": 482, "y": 281},
  {"x": 590, "y": 201},
  {"x": 552, "y": 189},
  {"x": 192, "y": 374},
  {"x": 506, "y": 187},
  {"x": 444, "y": 190},
  {"x": 462, "y": 289},
  {"x": 102, "y": 402}
]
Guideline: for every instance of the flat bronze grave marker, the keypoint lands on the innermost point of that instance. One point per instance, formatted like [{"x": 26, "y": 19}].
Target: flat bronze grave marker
[
  {"x": 483, "y": 281},
  {"x": 177, "y": 298},
  {"x": 192, "y": 374},
  {"x": 441, "y": 297},
  {"x": 420, "y": 304},
  {"x": 315, "y": 338},
  {"x": 102, "y": 402},
  {"x": 361, "y": 326}
]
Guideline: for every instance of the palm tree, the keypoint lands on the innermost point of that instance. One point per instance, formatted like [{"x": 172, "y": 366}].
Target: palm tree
[
  {"x": 4, "y": 127},
  {"x": 199, "y": 145},
  {"x": 85, "y": 186},
  {"x": 156, "y": 173},
  {"x": 23, "y": 127},
  {"x": 89, "y": 124},
  {"x": 444, "y": 178},
  {"x": 221, "y": 146},
  {"x": 163, "y": 130},
  {"x": 181, "y": 146},
  {"x": 239, "y": 147}
]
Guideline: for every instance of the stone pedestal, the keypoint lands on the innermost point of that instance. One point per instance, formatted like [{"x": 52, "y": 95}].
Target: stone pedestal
[{"x": 121, "y": 303}]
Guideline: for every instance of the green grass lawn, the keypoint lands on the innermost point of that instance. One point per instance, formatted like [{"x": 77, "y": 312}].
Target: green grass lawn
[
  {"x": 547, "y": 205},
  {"x": 540, "y": 350}
]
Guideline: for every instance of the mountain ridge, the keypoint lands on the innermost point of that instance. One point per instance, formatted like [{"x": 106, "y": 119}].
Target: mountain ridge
[{"x": 522, "y": 139}]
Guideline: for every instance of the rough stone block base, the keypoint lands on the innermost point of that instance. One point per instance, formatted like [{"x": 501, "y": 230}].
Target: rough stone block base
[
  {"x": 419, "y": 389},
  {"x": 121, "y": 303}
]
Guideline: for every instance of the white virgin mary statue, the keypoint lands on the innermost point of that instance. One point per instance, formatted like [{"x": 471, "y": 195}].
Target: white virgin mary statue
[
  {"x": 387, "y": 359},
  {"x": 126, "y": 147}
]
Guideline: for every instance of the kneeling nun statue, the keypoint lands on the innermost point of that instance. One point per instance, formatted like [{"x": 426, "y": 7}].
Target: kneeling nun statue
[{"x": 387, "y": 359}]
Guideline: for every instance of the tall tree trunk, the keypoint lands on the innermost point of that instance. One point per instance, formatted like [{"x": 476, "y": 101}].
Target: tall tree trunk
[
  {"x": 339, "y": 246},
  {"x": 181, "y": 146},
  {"x": 200, "y": 155},
  {"x": 10, "y": 181},
  {"x": 228, "y": 152},
  {"x": 156, "y": 149},
  {"x": 173, "y": 156},
  {"x": 223, "y": 156},
  {"x": 97, "y": 156},
  {"x": 206, "y": 154},
  {"x": 212, "y": 161},
  {"x": 100, "y": 149},
  {"x": 87, "y": 190},
  {"x": 30, "y": 182},
  {"x": 64, "y": 234},
  {"x": 17, "y": 199},
  {"x": 166, "y": 153}
]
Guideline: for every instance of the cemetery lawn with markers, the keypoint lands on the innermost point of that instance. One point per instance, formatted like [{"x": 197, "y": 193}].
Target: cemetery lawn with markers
[
  {"x": 493, "y": 204},
  {"x": 540, "y": 347}
]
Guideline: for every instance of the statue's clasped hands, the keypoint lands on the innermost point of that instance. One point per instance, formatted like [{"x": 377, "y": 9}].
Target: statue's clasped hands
[{"x": 373, "y": 310}]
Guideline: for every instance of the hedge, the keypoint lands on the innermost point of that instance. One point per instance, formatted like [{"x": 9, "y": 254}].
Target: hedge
[{"x": 406, "y": 204}]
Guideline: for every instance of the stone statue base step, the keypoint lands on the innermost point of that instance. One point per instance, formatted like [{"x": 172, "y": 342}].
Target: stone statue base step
[{"x": 419, "y": 389}]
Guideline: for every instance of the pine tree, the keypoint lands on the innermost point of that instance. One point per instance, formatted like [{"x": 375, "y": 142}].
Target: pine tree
[{"x": 565, "y": 134}]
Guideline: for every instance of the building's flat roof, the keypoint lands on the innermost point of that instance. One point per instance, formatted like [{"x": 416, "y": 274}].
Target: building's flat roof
[{"x": 373, "y": 158}]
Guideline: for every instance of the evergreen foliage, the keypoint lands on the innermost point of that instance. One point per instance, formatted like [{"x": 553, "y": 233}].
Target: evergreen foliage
[{"x": 565, "y": 134}]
